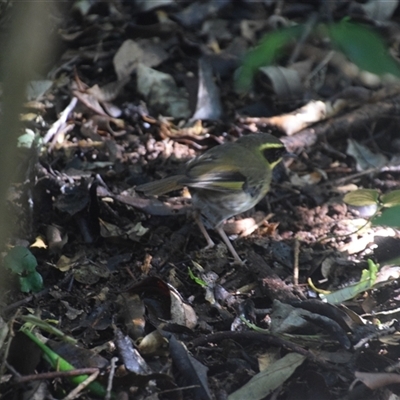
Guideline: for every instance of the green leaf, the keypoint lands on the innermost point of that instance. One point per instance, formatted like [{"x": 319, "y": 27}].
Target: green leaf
[
  {"x": 367, "y": 280},
  {"x": 362, "y": 197},
  {"x": 269, "y": 49},
  {"x": 268, "y": 380},
  {"x": 31, "y": 282},
  {"x": 364, "y": 47},
  {"x": 389, "y": 217},
  {"x": 391, "y": 199},
  {"x": 197, "y": 280},
  {"x": 20, "y": 260}
]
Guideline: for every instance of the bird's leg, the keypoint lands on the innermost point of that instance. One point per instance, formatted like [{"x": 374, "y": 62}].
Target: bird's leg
[
  {"x": 229, "y": 245},
  {"x": 222, "y": 233},
  {"x": 203, "y": 230}
]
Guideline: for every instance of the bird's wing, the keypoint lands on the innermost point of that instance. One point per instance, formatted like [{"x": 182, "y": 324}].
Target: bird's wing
[{"x": 209, "y": 173}]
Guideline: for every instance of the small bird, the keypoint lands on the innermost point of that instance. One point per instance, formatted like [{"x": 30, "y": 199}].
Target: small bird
[{"x": 225, "y": 181}]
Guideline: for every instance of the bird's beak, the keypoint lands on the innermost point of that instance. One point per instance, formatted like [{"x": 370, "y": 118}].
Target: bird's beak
[{"x": 289, "y": 155}]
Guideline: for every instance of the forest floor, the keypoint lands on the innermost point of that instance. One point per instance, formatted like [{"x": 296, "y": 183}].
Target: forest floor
[{"x": 133, "y": 91}]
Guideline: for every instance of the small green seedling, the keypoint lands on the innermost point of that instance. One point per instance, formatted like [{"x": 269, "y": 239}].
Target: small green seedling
[
  {"x": 366, "y": 282},
  {"x": 387, "y": 205},
  {"x": 23, "y": 263},
  {"x": 193, "y": 277},
  {"x": 60, "y": 364}
]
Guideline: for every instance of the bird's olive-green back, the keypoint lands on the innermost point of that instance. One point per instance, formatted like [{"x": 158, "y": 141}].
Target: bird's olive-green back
[{"x": 229, "y": 166}]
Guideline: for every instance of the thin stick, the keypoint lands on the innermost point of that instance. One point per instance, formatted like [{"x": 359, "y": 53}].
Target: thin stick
[
  {"x": 55, "y": 374},
  {"x": 296, "y": 251},
  {"x": 60, "y": 123},
  {"x": 74, "y": 393},
  {"x": 111, "y": 377}
]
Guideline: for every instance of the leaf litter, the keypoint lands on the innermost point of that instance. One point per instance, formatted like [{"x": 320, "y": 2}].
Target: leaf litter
[{"x": 138, "y": 90}]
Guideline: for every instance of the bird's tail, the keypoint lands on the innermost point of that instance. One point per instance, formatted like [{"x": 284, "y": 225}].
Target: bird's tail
[{"x": 162, "y": 186}]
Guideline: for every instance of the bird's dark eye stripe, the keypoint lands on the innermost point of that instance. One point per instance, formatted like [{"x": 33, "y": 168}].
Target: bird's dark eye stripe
[{"x": 273, "y": 154}]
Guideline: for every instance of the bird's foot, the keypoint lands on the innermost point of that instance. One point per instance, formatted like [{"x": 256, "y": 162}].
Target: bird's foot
[
  {"x": 238, "y": 263},
  {"x": 210, "y": 245}
]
